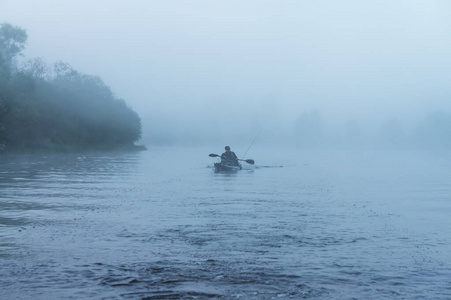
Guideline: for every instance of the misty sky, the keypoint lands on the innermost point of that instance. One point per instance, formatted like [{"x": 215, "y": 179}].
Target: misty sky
[{"x": 265, "y": 60}]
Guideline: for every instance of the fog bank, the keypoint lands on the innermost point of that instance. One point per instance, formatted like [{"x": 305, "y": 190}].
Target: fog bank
[{"x": 311, "y": 73}]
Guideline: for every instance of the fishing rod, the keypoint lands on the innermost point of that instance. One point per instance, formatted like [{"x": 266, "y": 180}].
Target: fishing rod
[{"x": 252, "y": 143}]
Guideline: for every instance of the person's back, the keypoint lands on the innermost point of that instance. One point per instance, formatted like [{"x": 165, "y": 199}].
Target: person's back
[{"x": 229, "y": 157}]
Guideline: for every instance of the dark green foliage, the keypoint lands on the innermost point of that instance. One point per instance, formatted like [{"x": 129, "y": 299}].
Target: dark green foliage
[{"x": 68, "y": 112}]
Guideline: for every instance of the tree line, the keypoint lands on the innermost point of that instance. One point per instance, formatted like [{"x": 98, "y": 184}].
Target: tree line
[
  {"x": 432, "y": 132},
  {"x": 58, "y": 108}
]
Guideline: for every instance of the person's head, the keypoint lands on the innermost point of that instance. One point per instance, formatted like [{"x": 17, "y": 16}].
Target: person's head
[{"x": 227, "y": 148}]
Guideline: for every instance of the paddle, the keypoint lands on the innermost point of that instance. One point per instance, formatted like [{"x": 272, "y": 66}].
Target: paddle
[{"x": 249, "y": 161}]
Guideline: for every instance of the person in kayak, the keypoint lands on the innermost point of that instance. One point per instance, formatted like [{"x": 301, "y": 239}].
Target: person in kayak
[{"x": 229, "y": 157}]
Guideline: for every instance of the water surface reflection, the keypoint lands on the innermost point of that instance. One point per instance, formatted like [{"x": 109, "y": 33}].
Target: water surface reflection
[{"x": 156, "y": 225}]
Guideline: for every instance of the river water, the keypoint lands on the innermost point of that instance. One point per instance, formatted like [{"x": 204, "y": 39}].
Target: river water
[{"x": 160, "y": 224}]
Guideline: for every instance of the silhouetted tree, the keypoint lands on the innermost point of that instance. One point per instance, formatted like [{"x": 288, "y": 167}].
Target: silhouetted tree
[
  {"x": 434, "y": 132},
  {"x": 391, "y": 134},
  {"x": 309, "y": 129},
  {"x": 69, "y": 111},
  {"x": 12, "y": 42}
]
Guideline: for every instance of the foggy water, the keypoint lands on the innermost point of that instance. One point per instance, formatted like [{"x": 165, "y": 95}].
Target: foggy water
[{"x": 161, "y": 224}]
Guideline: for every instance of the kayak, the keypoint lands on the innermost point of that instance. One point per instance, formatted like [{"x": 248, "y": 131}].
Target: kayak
[{"x": 220, "y": 167}]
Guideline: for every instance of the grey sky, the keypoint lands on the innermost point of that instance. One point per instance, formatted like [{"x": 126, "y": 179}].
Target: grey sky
[{"x": 363, "y": 60}]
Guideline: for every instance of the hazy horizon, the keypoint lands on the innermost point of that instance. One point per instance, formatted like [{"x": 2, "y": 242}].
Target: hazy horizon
[{"x": 215, "y": 70}]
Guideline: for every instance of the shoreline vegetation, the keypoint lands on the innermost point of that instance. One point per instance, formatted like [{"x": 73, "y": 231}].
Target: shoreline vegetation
[{"x": 58, "y": 109}]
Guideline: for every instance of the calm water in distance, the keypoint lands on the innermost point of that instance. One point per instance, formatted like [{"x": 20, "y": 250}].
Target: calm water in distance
[{"x": 160, "y": 224}]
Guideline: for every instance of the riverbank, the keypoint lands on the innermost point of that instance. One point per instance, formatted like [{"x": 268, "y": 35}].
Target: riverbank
[{"x": 74, "y": 149}]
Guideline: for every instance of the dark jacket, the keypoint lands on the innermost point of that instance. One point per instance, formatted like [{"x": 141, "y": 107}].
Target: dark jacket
[{"x": 229, "y": 158}]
